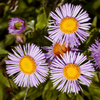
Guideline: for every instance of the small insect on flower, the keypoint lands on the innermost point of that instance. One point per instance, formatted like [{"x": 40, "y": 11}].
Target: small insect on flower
[
  {"x": 28, "y": 65},
  {"x": 16, "y": 26},
  {"x": 69, "y": 72},
  {"x": 69, "y": 22},
  {"x": 95, "y": 53}
]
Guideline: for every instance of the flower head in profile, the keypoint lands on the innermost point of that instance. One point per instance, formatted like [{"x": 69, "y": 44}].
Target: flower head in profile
[
  {"x": 16, "y": 26},
  {"x": 70, "y": 23},
  {"x": 28, "y": 65},
  {"x": 58, "y": 48},
  {"x": 95, "y": 53},
  {"x": 69, "y": 72}
]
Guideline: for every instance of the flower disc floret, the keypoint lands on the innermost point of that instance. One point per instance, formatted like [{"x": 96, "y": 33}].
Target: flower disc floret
[
  {"x": 71, "y": 72},
  {"x": 60, "y": 49},
  {"x": 68, "y": 25},
  {"x": 27, "y": 65}
]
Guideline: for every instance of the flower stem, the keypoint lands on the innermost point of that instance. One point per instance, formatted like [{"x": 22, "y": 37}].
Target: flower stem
[
  {"x": 26, "y": 93},
  {"x": 30, "y": 27},
  {"x": 27, "y": 32},
  {"x": 8, "y": 81},
  {"x": 27, "y": 88}
]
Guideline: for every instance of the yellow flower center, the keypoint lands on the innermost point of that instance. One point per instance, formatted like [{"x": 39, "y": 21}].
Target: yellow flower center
[
  {"x": 60, "y": 49},
  {"x": 68, "y": 25},
  {"x": 27, "y": 65},
  {"x": 71, "y": 72}
]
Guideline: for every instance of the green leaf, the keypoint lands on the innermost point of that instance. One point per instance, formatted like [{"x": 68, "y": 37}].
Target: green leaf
[
  {"x": 14, "y": 86},
  {"x": 62, "y": 96},
  {"x": 3, "y": 51},
  {"x": 92, "y": 37},
  {"x": 95, "y": 85},
  {"x": 95, "y": 77},
  {"x": 2, "y": 4},
  {"x": 94, "y": 92},
  {"x": 85, "y": 90},
  {"x": 70, "y": 95},
  {"x": 95, "y": 98},
  {"x": 29, "y": 1},
  {"x": 96, "y": 4},
  {"x": 79, "y": 97},
  {"x": 49, "y": 93},
  {"x": 3, "y": 80},
  {"x": 1, "y": 92},
  {"x": 46, "y": 88},
  {"x": 31, "y": 23},
  {"x": 41, "y": 21},
  {"x": 94, "y": 23},
  {"x": 34, "y": 93},
  {"x": 53, "y": 95},
  {"x": 9, "y": 39},
  {"x": 3, "y": 25},
  {"x": 86, "y": 93},
  {"x": 20, "y": 95},
  {"x": 6, "y": 8}
]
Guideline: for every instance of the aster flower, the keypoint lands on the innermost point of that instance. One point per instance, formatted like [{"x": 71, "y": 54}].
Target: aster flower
[
  {"x": 58, "y": 48},
  {"x": 28, "y": 65},
  {"x": 16, "y": 26},
  {"x": 70, "y": 23},
  {"x": 71, "y": 71},
  {"x": 95, "y": 53}
]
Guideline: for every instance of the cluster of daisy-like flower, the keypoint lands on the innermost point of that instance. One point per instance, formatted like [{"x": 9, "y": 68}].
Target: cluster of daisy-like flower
[{"x": 69, "y": 69}]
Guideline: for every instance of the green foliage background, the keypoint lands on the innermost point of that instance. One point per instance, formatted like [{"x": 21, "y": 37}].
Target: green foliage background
[{"x": 36, "y": 14}]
